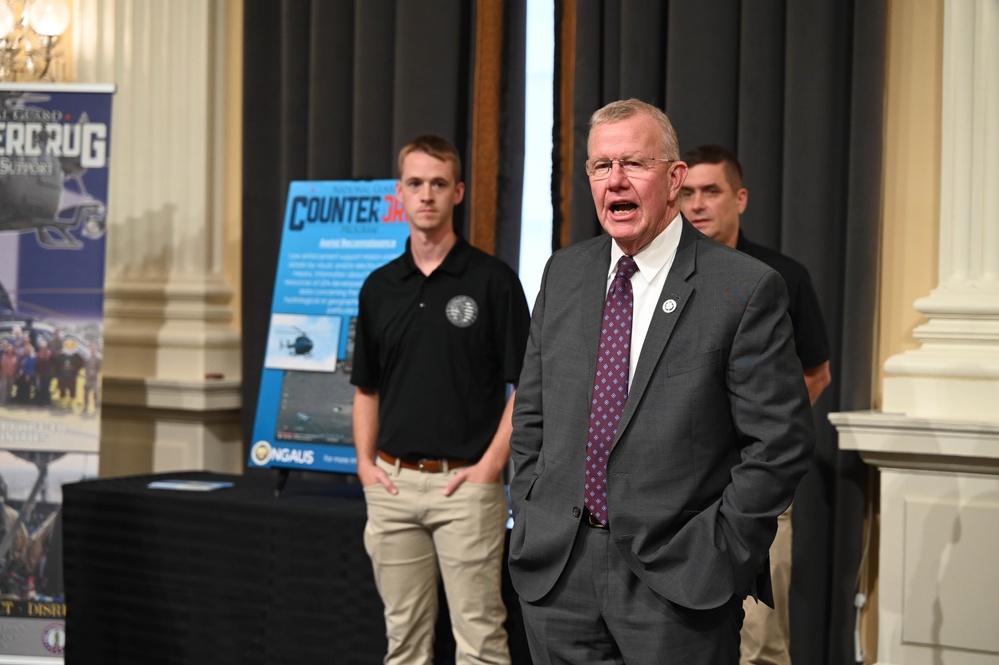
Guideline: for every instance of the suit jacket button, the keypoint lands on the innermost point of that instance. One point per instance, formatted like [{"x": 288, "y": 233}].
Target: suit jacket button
[{"x": 575, "y": 512}]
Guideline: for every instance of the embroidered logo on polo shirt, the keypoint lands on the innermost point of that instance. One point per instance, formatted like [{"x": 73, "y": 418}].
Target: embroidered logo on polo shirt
[{"x": 461, "y": 311}]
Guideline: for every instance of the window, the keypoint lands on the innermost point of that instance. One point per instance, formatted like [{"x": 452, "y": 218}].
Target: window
[{"x": 536, "y": 215}]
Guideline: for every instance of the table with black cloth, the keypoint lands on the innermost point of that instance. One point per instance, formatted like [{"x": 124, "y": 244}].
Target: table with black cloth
[{"x": 234, "y": 575}]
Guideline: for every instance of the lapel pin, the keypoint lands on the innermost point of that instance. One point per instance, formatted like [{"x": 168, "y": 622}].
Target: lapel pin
[{"x": 669, "y": 305}]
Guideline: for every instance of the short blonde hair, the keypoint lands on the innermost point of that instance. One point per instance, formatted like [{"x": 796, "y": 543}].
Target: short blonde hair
[{"x": 435, "y": 146}]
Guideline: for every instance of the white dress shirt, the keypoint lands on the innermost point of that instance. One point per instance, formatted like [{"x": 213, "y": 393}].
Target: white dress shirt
[{"x": 654, "y": 262}]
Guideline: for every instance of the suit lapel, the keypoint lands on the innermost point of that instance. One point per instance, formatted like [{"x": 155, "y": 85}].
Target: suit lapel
[
  {"x": 672, "y": 301},
  {"x": 594, "y": 292}
]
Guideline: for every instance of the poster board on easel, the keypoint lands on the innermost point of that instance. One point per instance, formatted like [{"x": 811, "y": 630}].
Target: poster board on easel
[{"x": 335, "y": 234}]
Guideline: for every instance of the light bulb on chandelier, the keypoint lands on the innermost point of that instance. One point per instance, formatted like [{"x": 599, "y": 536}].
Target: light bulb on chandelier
[{"x": 29, "y": 33}]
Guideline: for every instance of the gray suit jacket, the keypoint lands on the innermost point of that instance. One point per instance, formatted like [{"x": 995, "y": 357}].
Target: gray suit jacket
[{"x": 715, "y": 436}]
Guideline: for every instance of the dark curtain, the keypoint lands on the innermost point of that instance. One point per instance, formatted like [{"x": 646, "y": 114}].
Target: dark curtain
[
  {"x": 796, "y": 88},
  {"x": 334, "y": 88}
]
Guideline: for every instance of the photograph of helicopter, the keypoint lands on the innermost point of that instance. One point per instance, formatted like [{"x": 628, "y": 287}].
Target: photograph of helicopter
[
  {"x": 303, "y": 342},
  {"x": 52, "y": 159},
  {"x": 302, "y": 345},
  {"x": 46, "y": 194}
]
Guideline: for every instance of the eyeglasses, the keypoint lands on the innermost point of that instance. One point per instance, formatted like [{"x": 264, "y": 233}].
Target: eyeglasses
[{"x": 599, "y": 169}]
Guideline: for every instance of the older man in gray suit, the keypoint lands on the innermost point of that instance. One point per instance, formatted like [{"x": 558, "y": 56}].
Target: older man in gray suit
[{"x": 655, "y": 444}]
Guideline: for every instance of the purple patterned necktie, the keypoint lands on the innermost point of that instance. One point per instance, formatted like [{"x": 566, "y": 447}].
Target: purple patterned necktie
[{"x": 610, "y": 386}]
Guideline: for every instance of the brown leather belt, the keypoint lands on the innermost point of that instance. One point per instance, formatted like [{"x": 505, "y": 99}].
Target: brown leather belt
[{"x": 426, "y": 464}]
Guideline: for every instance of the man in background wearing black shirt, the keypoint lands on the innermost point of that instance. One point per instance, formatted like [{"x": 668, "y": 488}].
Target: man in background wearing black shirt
[{"x": 713, "y": 199}]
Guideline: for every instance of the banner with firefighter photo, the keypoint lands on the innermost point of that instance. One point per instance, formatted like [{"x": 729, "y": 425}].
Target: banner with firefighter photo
[{"x": 54, "y": 158}]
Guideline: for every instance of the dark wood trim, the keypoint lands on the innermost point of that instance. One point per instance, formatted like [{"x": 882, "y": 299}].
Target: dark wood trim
[{"x": 484, "y": 169}]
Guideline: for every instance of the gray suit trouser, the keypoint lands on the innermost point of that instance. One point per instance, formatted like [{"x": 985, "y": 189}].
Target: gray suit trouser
[{"x": 600, "y": 613}]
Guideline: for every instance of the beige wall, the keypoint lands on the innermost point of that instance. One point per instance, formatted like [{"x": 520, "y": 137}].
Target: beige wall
[
  {"x": 172, "y": 372},
  {"x": 910, "y": 214},
  {"x": 911, "y": 203},
  {"x": 232, "y": 179}
]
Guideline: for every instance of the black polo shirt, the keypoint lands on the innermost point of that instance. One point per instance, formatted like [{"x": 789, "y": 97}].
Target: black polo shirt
[
  {"x": 440, "y": 350},
  {"x": 810, "y": 339}
]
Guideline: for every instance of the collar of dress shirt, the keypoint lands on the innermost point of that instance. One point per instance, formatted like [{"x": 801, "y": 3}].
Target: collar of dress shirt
[{"x": 651, "y": 259}]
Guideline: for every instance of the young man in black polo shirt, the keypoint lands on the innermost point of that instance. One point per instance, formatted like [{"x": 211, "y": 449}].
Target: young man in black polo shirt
[
  {"x": 713, "y": 199},
  {"x": 441, "y": 331}
]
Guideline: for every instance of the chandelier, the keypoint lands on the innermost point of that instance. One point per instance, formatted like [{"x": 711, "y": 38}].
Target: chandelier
[{"x": 29, "y": 34}]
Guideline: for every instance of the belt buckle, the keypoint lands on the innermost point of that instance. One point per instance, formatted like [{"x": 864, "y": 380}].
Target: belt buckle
[
  {"x": 593, "y": 522},
  {"x": 423, "y": 460}
]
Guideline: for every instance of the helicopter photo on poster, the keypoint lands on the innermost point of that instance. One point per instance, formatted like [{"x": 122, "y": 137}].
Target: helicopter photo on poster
[
  {"x": 54, "y": 162},
  {"x": 303, "y": 342},
  {"x": 335, "y": 233}
]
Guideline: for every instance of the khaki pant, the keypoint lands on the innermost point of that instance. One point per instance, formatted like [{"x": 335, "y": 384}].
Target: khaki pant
[
  {"x": 418, "y": 536},
  {"x": 766, "y": 637}
]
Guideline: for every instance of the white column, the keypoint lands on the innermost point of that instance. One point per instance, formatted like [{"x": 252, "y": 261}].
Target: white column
[
  {"x": 936, "y": 442},
  {"x": 955, "y": 371},
  {"x": 172, "y": 357}
]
